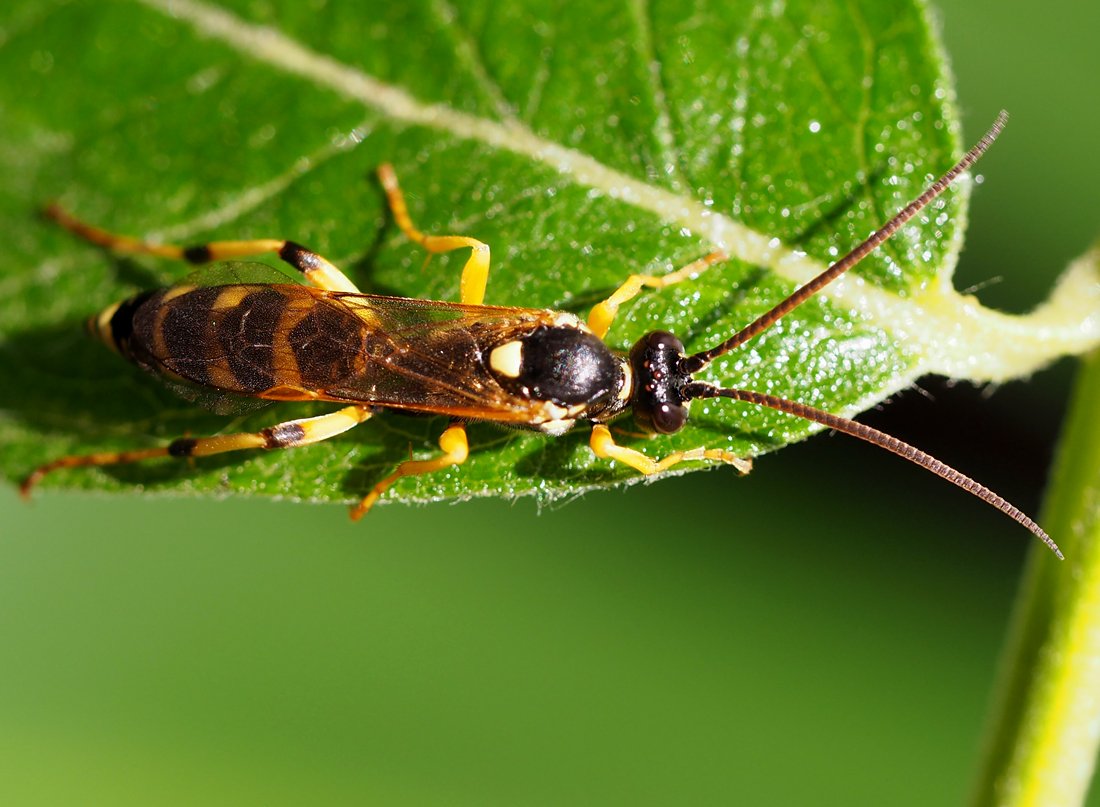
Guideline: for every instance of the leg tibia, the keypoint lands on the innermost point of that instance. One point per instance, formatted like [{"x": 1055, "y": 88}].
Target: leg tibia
[
  {"x": 290, "y": 434},
  {"x": 475, "y": 273},
  {"x": 316, "y": 269},
  {"x": 604, "y": 446},
  {"x": 603, "y": 314},
  {"x": 455, "y": 451}
]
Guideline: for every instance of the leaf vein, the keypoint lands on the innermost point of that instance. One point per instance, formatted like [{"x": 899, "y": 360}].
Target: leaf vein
[
  {"x": 642, "y": 12},
  {"x": 470, "y": 55}
]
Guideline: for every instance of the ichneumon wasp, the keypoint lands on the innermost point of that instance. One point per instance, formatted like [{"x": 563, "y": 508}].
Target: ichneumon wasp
[{"x": 526, "y": 367}]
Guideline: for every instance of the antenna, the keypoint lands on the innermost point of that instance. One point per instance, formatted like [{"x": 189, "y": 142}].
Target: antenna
[
  {"x": 698, "y": 389},
  {"x": 694, "y": 363}
]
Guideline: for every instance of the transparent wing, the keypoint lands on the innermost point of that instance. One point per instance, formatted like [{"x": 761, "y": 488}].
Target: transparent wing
[{"x": 430, "y": 356}]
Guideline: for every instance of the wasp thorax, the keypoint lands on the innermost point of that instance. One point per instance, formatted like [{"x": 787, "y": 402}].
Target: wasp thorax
[
  {"x": 562, "y": 364},
  {"x": 658, "y": 404}
]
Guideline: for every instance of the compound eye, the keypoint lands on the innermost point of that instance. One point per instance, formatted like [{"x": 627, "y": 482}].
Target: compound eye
[{"x": 668, "y": 418}]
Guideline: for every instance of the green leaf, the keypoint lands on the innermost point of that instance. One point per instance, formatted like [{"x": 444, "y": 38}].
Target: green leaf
[{"x": 582, "y": 143}]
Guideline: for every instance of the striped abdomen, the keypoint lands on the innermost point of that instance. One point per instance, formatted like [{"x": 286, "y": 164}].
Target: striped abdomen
[{"x": 272, "y": 341}]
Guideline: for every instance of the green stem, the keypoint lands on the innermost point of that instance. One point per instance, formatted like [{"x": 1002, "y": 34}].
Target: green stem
[{"x": 1044, "y": 734}]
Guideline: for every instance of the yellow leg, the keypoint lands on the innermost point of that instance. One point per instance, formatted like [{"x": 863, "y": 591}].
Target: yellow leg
[
  {"x": 475, "y": 274},
  {"x": 603, "y": 314},
  {"x": 455, "y": 451},
  {"x": 316, "y": 269},
  {"x": 604, "y": 446},
  {"x": 290, "y": 434}
]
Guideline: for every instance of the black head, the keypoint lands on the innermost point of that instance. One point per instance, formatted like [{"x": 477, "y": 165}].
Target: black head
[{"x": 659, "y": 404}]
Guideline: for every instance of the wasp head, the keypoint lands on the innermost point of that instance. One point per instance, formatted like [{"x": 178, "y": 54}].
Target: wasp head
[{"x": 659, "y": 403}]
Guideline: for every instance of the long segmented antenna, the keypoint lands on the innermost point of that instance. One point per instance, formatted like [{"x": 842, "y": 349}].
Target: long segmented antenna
[
  {"x": 698, "y": 389},
  {"x": 696, "y": 362}
]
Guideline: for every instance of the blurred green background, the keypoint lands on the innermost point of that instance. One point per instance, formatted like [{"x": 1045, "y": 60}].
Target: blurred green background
[{"x": 823, "y": 631}]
